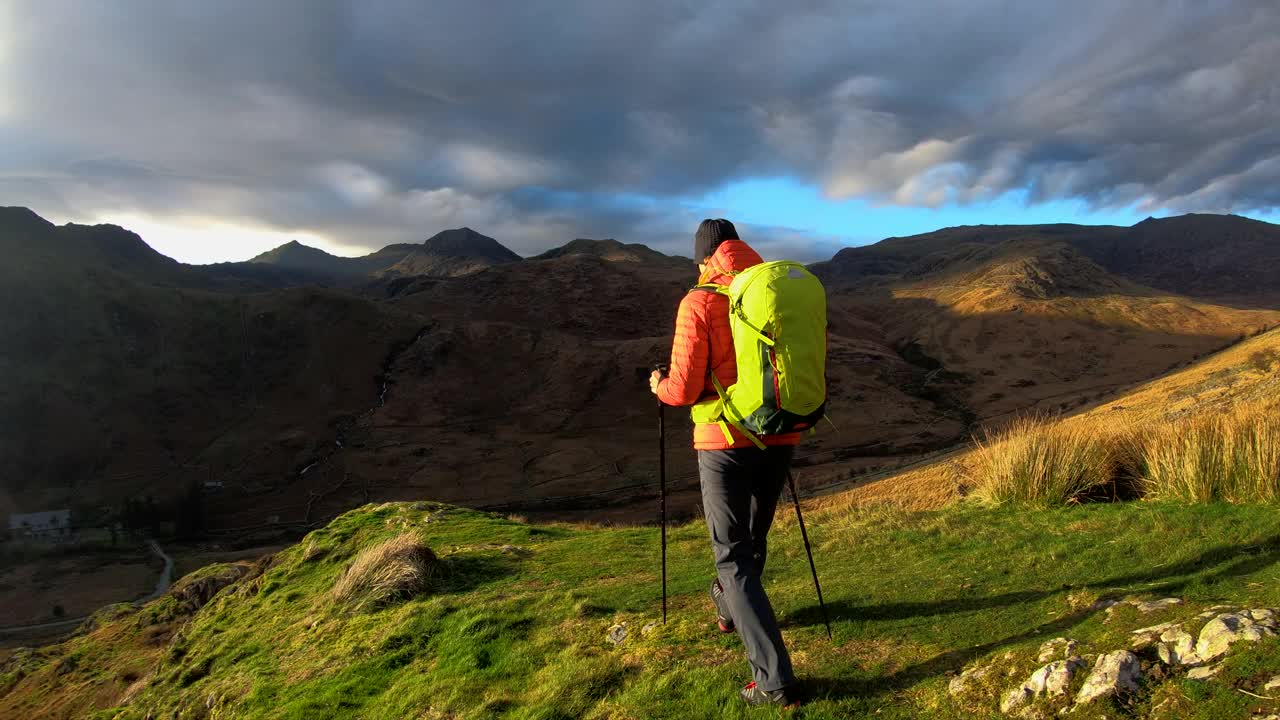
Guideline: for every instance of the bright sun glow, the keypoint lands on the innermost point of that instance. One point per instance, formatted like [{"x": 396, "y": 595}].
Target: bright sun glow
[{"x": 198, "y": 240}]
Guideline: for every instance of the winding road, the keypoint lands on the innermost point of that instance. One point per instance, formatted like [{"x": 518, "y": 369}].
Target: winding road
[{"x": 162, "y": 586}]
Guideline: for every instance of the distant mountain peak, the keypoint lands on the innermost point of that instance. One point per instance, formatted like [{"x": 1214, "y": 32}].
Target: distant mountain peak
[
  {"x": 450, "y": 253},
  {"x": 26, "y": 236},
  {"x": 295, "y": 256},
  {"x": 291, "y": 249},
  {"x": 464, "y": 242},
  {"x": 21, "y": 218},
  {"x": 1036, "y": 270},
  {"x": 607, "y": 249}
]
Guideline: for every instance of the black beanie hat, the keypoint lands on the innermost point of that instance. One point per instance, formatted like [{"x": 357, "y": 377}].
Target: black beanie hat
[{"x": 709, "y": 236}]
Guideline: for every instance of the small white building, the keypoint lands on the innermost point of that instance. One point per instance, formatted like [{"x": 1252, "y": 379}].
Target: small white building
[{"x": 46, "y": 524}]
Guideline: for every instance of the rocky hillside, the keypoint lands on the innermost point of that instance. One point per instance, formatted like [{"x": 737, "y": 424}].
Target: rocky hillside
[
  {"x": 1021, "y": 322},
  {"x": 1246, "y": 372},
  {"x": 536, "y": 374},
  {"x": 1212, "y": 257},
  {"x": 125, "y": 381}
]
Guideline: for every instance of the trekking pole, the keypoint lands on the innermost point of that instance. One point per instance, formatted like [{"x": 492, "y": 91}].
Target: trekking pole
[
  {"x": 662, "y": 493},
  {"x": 813, "y": 569}
]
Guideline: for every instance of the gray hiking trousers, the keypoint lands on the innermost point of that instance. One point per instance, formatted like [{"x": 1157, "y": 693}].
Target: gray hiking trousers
[{"x": 740, "y": 490}]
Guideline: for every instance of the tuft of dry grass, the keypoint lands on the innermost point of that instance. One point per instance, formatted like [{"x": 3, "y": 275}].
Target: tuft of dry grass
[
  {"x": 313, "y": 550},
  {"x": 1040, "y": 462},
  {"x": 394, "y": 570},
  {"x": 1233, "y": 456}
]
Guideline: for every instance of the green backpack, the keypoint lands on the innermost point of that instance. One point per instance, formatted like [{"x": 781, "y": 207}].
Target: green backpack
[{"x": 778, "y": 316}]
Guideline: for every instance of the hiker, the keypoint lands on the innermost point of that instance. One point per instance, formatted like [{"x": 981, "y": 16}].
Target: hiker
[{"x": 740, "y": 481}]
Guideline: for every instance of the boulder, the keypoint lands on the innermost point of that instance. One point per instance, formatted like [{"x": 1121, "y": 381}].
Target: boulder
[
  {"x": 962, "y": 682},
  {"x": 1150, "y": 606},
  {"x": 1057, "y": 648},
  {"x": 1146, "y": 637},
  {"x": 1224, "y": 630},
  {"x": 1215, "y": 610},
  {"x": 618, "y": 634},
  {"x": 1143, "y": 606},
  {"x": 1264, "y": 616},
  {"x": 195, "y": 590},
  {"x": 1204, "y": 673},
  {"x": 1112, "y": 674},
  {"x": 1015, "y": 699},
  {"x": 1177, "y": 647}
]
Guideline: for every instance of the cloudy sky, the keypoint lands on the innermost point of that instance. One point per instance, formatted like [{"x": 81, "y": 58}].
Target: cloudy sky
[{"x": 220, "y": 129}]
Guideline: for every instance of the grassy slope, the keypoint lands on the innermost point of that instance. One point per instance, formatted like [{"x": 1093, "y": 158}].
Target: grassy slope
[
  {"x": 520, "y": 632},
  {"x": 1246, "y": 371}
]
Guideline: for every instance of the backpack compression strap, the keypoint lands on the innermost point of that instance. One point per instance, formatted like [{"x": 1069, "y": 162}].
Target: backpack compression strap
[{"x": 732, "y": 418}]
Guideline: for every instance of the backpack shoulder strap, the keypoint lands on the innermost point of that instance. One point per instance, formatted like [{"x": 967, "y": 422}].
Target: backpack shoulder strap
[{"x": 711, "y": 288}]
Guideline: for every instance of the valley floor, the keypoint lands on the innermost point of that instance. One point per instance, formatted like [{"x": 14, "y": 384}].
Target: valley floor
[{"x": 47, "y": 588}]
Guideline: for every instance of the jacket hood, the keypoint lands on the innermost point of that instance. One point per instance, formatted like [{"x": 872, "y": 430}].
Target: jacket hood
[{"x": 733, "y": 256}]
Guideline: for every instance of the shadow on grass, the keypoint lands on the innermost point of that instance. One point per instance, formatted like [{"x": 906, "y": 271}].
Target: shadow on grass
[
  {"x": 1222, "y": 562},
  {"x": 838, "y": 688},
  {"x": 465, "y": 572}
]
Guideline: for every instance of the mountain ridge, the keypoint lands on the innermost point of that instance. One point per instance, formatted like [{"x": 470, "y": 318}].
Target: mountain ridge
[
  {"x": 543, "y": 351},
  {"x": 1201, "y": 255}
]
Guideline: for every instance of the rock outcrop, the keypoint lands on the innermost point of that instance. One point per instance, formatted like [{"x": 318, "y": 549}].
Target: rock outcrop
[
  {"x": 1228, "y": 628},
  {"x": 1051, "y": 680},
  {"x": 1113, "y": 674},
  {"x": 1196, "y": 649}
]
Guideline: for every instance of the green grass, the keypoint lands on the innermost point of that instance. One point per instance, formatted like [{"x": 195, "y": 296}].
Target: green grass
[
  {"x": 1250, "y": 668},
  {"x": 914, "y": 597}
]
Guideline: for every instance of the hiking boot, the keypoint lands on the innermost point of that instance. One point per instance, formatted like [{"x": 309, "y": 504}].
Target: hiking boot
[
  {"x": 722, "y": 616},
  {"x": 785, "y": 697}
]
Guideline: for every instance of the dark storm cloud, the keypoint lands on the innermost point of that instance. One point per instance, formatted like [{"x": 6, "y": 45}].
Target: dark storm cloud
[{"x": 376, "y": 122}]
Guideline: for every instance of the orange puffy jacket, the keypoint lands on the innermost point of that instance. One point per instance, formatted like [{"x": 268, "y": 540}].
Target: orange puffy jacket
[{"x": 704, "y": 344}]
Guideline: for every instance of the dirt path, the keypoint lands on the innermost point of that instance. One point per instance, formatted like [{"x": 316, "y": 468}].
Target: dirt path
[{"x": 166, "y": 575}]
